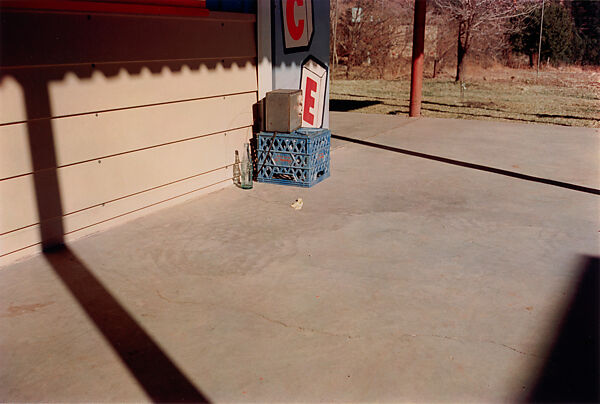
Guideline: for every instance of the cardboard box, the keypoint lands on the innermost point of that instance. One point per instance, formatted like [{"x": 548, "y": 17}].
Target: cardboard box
[{"x": 283, "y": 110}]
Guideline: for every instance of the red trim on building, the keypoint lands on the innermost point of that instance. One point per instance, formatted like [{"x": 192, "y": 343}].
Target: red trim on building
[{"x": 182, "y": 8}]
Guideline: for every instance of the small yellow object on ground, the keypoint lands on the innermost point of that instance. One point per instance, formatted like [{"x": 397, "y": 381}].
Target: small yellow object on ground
[{"x": 298, "y": 204}]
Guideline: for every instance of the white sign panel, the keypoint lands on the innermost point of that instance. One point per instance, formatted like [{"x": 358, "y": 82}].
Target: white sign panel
[
  {"x": 297, "y": 21},
  {"x": 313, "y": 85}
]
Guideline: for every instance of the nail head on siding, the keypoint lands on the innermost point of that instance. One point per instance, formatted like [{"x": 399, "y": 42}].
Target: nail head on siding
[
  {"x": 89, "y": 17},
  {"x": 99, "y": 161}
]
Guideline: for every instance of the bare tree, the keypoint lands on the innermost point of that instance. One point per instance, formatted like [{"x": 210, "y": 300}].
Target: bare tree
[
  {"x": 444, "y": 44},
  {"x": 333, "y": 22},
  {"x": 366, "y": 33},
  {"x": 477, "y": 18}
]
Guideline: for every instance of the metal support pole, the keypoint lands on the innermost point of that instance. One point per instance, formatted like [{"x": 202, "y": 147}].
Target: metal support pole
[
  {"x": 334, "y": 58},
  {"x": 418, "y": 57},
  {"x": 540, "y": 45}
]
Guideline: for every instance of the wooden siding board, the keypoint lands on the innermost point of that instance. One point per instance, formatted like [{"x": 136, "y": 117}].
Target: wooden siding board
[
  {"x": 93, "y": 183},
  {"x": 12, "y": 103},
  {"x": 180, "y": 8},
  {"x": 86, "y": 137},
  {"x": 102, "y": 217},
  {"x": 61, "y": 39},
  {"x": 72, "y": 95}
]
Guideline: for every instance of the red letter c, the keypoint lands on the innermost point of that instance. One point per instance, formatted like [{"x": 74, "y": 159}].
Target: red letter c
[{"x": 294, "y": 30}]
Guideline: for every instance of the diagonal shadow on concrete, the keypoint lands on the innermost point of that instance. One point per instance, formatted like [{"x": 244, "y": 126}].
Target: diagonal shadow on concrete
[
  {"x": 152, "y": 368},
  {"x": 160, "y": 378},
  {"x": 350, "y": 105},
  {"x": 479, "y": 167}
]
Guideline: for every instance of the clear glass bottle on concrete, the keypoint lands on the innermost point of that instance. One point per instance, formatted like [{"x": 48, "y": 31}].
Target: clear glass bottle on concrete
[
  {"x": 246, "y": 179},
  {"x": 237, "y": 172}
]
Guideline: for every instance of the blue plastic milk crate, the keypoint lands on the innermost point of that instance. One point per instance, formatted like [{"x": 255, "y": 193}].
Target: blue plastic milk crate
[{"x": 300, "y": 158}]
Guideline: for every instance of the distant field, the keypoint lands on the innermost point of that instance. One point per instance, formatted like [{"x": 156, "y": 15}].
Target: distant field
[{"x": 560, "y": 98}]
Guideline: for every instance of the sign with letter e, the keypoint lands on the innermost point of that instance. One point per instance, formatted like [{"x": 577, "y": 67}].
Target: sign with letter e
[
  {"x": 297, "y": 18},
  {"x": 313, "y": 83}
]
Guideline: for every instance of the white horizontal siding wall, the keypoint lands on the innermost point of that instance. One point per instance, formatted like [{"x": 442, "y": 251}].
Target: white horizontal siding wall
[{"x": 142, "y": 112}]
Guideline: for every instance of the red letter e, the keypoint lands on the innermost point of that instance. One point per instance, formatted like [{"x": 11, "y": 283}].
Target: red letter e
[{"x": 309, "y": 100}]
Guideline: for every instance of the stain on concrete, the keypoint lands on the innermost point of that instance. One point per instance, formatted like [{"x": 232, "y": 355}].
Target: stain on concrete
[{"x": 14, "y": 311}]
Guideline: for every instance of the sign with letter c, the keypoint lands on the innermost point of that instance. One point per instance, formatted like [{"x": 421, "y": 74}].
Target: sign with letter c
[{"x": 297, "y": 18}]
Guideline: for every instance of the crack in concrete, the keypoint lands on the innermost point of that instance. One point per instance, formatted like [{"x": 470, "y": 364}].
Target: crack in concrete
[
  {"x": 303, "y": 329},
  {"x": 274, "y": 321},
  {"x": 460, "y": 339},
  {"x": 348, "y": 336},
  {"x": 178, "y": 301}
]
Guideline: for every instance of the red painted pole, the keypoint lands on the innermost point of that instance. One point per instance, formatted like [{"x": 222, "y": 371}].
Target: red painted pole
[{"x": 418, "y": 57}]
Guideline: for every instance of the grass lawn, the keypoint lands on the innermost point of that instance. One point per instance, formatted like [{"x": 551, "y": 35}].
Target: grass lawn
[{"x": 557, "y": 98}]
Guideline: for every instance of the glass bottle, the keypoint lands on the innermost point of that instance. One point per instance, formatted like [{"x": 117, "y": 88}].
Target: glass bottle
[
  {"x": 237, "y": 173},
  {"x": 246, "y": 182}
]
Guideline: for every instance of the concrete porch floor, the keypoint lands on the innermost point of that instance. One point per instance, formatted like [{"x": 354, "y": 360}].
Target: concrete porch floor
[{"x": 403, "y": 278}]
